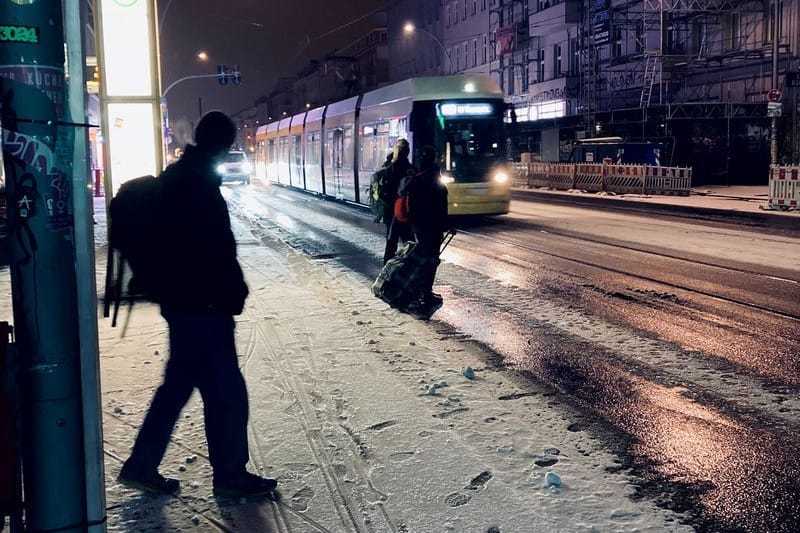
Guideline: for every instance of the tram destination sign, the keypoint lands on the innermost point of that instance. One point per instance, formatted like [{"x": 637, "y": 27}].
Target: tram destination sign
[{"x": 12, "y": 33}]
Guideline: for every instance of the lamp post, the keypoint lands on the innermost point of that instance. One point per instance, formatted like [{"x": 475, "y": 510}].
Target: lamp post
[
  {"x": 776, "y": 32},
  {"x": 409, "y": 28}
]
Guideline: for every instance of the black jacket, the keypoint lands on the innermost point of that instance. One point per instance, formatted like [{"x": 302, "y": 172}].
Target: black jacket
[
  {"x": 201, "y": 272},
  {"x": 427, "y": 201}
]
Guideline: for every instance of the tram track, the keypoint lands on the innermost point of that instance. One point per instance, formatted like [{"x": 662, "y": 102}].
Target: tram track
[{"x": 651, "y": 279}]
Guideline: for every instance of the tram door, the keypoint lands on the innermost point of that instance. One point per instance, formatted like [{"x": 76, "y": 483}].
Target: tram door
[{"x": 338, "y": 151}]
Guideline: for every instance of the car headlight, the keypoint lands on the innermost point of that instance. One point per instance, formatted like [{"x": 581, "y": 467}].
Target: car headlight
[
  {"x": 220, "y": 169},
  {"x": 500, "y": 177},
  {"x": 446, "y": 179},
  {"x": 246, "y": 167}
]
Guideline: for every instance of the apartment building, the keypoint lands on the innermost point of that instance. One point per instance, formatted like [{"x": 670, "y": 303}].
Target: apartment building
[
  {"x": 415, "y": 35},
  {"x": 466, "y": 35}
]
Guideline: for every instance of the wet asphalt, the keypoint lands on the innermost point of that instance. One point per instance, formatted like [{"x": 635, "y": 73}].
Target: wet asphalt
[{"x": 685, "y": 366}]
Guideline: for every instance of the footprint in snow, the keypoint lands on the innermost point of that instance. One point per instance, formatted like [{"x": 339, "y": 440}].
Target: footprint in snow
[
  {"x": 457, "y": 499},
  {"x": 301, "y": 498}
]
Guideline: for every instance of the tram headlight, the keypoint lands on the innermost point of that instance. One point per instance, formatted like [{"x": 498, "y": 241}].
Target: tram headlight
[
  {"x": 500, "y": 177},
  {"x": 221, "y": 168},
  {"x": 446, "y": 179}
]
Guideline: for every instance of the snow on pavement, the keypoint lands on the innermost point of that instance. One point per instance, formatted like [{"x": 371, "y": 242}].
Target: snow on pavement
[{"x": 342, "y": 414}]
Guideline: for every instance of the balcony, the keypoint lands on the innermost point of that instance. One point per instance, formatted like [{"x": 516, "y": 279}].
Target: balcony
[{"x": 554, "y": 15}]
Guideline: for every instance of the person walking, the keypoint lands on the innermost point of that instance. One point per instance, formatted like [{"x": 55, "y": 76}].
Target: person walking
[
  {"x": 201, "y": 289},
  {"x": 399, "y": 168},
  {"x": 428, "y": 215}
]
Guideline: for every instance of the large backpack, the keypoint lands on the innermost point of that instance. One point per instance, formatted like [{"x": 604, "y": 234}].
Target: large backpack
[
  {"x": 134, "y": 243},
  {"x": 377, "y": 192}
]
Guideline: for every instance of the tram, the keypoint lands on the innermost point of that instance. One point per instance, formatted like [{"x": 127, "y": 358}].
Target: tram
[{"x": 333, "y": 150}]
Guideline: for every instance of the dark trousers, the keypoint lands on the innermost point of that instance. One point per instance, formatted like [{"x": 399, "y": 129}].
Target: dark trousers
[
  {"x": 395, "y": 232},
  {"x": 203, "y": 356},
  {"x": 429, "y": 244}
]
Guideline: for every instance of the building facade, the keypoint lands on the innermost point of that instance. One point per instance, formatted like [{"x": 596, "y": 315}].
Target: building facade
[{"x": 693, "y": 75}]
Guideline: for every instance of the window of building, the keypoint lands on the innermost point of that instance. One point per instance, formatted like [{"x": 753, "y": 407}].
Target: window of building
[
  {"x": 465, "y": 10},
  {"x": 455, "y": 13},
  {"x": 540, "y": 66},
  {"x": 557, "y": 61},
  {"x": 733, "y": 23},
  {"x": 466, "y": 55},
  {"x": 641, "y": 37},
  {"x": 698, "y": 38},
  {"x": 474, "y": 6},
  {"x": 475, "y": 52},
  {"x": 616, "y": 42},
  {"x": 769, "y": 20},
  {"x": 458, "y": 58},
  {"x": 448, "y": 15},
  {"x": 542, "y": 4},
  {"x": 526, "y": 72},
  {"x": 485, "y": 48},
  {"x": 483, "y": 5},
  {"x": 574, "y": 56},
  {"x": 511, "y": 79}
]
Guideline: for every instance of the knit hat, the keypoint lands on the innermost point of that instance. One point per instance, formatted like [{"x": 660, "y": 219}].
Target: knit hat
[{"x": 215, "y": 132}]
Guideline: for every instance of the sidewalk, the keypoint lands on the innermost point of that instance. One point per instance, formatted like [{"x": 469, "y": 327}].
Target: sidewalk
[
  {"x": 746, "y": 203},
  {"x": 367, "y": 420}
]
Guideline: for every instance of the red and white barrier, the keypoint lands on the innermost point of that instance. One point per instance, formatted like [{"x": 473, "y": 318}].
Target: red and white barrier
[
  {"x": 538, "y": 174},
  {"x": 589, "y": 176},
  {"x": 668, "y": 180},
  {"x": 624, "y": 179},
  {"x": 784, "y": 186},
  {"x": 561, "y": 176}
]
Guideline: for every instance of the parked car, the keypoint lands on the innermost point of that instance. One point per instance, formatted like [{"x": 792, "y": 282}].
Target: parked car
[{"x": 235, "y": 168}]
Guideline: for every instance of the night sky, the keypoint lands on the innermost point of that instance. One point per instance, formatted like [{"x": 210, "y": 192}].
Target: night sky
[{"x": 266, "y": 38}]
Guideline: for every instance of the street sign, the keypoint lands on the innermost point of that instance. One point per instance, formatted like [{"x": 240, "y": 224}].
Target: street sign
[
  {"x": 774, "y": 95},
  {"x": 793, "y": 79},
  {"x": 774, "y": 109}
]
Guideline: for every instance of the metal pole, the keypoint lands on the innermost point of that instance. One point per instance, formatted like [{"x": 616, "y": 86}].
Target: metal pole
[
  {"x": 38, "y": 152},
  {"x": 76, "y": 11},
  {"x": 773, "y": 145},
  {"x": 432, "y": 36}
]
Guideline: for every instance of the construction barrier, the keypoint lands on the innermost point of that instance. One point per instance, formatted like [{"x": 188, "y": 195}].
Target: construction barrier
[
  {"x": 784, "y": 186},
  {"x": 624, "y": 179},
  {"x": 632, "y": 179},
  {"x": 561, "y": 176},
  {"x": 538, "y": 174},
  {"x": 673, "y": 181},
  {"x": 589, "y": 176}
]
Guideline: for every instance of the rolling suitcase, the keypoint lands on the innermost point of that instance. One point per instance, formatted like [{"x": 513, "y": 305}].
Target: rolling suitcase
[{"x": 400, "y": 281}]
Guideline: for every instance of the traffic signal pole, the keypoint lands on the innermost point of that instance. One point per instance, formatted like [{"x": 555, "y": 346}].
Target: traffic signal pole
[{"x": 38, "y": 156}]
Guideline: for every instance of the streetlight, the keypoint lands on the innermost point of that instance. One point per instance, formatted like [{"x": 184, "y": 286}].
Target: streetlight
[
  {"x": 202, "y": 56},
  {"x": 409, "y": 28}
]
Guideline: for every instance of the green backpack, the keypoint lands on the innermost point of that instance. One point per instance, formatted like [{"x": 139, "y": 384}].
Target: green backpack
[{"x": 377, "y": 201}]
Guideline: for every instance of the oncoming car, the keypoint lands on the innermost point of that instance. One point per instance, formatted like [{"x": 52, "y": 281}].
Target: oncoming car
[{"x": 236, "y": 167}]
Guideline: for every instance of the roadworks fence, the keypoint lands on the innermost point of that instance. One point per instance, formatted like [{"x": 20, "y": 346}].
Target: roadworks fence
[
  {"x": 784, "y": 186},
  {"x": 599, "y": 177}
]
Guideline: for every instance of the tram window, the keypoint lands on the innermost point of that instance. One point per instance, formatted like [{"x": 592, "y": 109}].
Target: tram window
[
  {"x": 312, "y": 148},
  {"x": 367, "y": 159},
  {"x": 347, "y": 148}
]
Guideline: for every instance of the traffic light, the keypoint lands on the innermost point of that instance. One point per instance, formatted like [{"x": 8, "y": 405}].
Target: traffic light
[
  {"x": 236, "y": 77},
  {"x": 222, "y": 75}
]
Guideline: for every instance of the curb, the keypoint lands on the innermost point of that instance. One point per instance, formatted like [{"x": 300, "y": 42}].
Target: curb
[{"x": 765, "y": 219}]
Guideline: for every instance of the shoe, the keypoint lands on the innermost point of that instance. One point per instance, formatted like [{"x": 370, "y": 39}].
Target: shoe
[
  {"x": 245, "y": 485},
  {"x": 432, "y": 300},
  {"x": 153, "y": 482}
]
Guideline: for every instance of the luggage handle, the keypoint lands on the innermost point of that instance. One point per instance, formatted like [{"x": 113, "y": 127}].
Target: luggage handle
[{"x": 448, "y": 236}]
